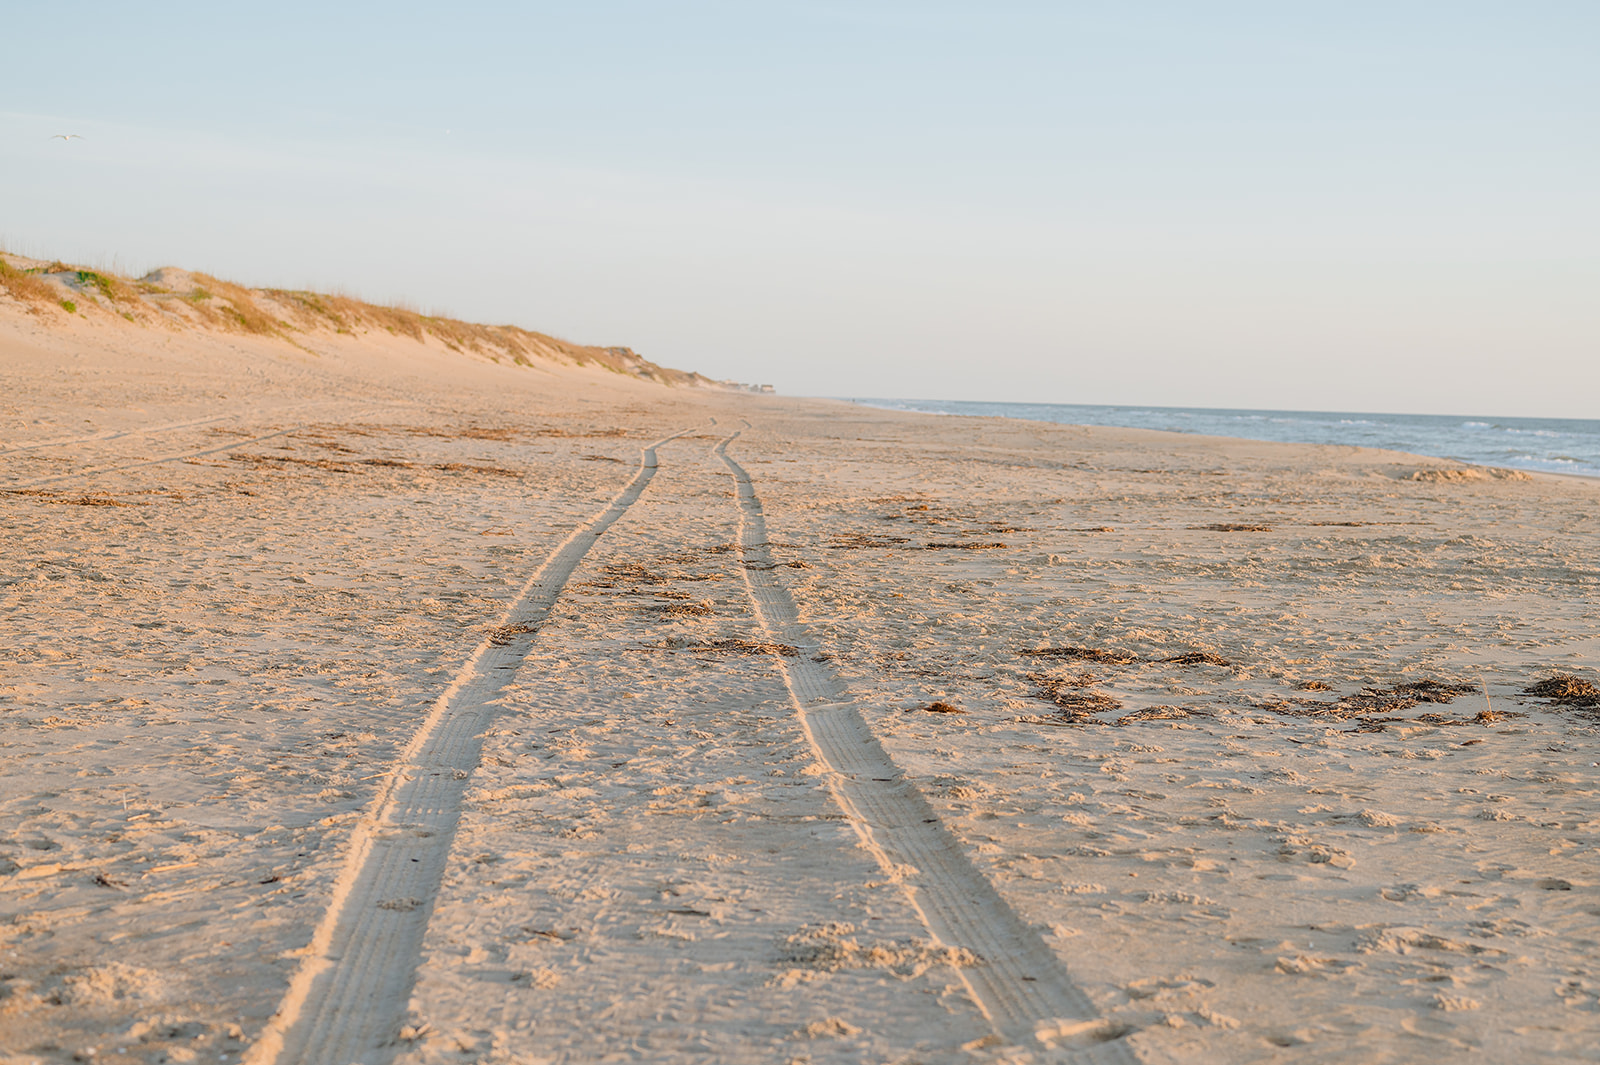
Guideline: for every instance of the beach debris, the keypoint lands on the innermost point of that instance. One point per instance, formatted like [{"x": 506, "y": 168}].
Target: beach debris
[
  {"x": 471, "y": 467},
  {"x": 1374, "y": 708},
  {"x": 1314, "y": 686},
  {"x": 1400, "y": 697},
  {"x": 937, "y": 707},
  {"x": 963, "y": 545},
  {"x": 1564, "y": 689},
  {"x": 853, "y": 541},
  {"x": 731, "y": 647},
  {"x": 1076, "y": 704},
  {"x": 835, "y": 946},
  {"x": 1092, "y": 654},
  {"x": 501, "y": 635},
  {"x": 557, "y": 431},
  {"x": 1233, "y": 527},
  {"x": 684, "y": 610},
  {"x": 255, "y": 461},
  {"x": 1476, "y": 473},
  {"x": 1198, "y": 658},
  {"x": 637, "y": 573},
  {"x": 98, "y": 499},
  {"x": 1154, "y": 713}
]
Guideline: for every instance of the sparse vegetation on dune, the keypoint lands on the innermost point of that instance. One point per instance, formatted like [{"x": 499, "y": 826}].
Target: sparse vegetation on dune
[
  {"x": 182, "y": 299},
  {"x": 26, "y": 286}
]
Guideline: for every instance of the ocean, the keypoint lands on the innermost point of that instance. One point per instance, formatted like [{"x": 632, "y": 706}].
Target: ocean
[{"x": 1549, "y": 445}]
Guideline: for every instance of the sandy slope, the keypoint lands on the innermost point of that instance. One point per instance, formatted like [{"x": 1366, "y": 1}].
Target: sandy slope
[{"x": 279, "y": 622}]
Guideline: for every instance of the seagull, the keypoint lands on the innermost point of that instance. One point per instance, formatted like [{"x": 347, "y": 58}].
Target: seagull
[{"x": 66, "y": 137}]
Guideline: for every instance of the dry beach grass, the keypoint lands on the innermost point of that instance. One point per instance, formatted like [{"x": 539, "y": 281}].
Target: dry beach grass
[{"x": 1171, "y": 749}]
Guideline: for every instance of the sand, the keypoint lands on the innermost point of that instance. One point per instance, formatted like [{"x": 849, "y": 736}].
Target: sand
[{"x": 368, "y": 700}]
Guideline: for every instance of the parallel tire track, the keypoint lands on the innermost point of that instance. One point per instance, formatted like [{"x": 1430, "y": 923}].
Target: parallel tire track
[
  {"x": 114, "y": 467},
  {"x": 1021, "y": 986},
  {"x": 150, "y": 430},
  {"x": 346, "y": 1003},
  {"x": 176, "y": 457}
]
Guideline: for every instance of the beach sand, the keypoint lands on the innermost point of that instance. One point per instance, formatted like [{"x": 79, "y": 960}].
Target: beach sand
[{"x": 367, "y": 700}]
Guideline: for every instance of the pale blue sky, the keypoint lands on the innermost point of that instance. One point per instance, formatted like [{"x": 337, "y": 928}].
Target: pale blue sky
[{"x": 1358, "y": 206}]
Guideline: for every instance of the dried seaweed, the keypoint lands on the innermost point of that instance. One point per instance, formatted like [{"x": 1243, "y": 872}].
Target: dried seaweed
[
  {"x": 1370, "y": 701},
  {"x": 1564, "y": 689},
  {"x": 1154, "y": 713},
  {"x": 684, "y": 610},
  {"x": 501, "y": 635},
  {"x": 1232, "y": 527},
  {"x": 1093, "y": 654},
  {"x": 1075, "y": 704},
  {"x": 852, "y": 541},
  {"x": 736, "y": 647},
  {"x": 258, "y": 461},
  {"x": 467, "y": 467},
  {"x": 1198, "y": 658}
]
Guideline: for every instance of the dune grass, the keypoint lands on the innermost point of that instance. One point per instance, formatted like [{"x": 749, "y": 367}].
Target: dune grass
[
  {"x": 25, "y": 286},
  {"x": 213, "y": 303}
]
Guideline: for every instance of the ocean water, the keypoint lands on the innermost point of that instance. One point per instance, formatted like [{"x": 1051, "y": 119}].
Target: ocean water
[{"x": 1550, "y": 445}]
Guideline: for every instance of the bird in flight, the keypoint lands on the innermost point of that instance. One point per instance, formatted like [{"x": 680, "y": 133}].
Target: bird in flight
[{"x": 66, "y": 137}]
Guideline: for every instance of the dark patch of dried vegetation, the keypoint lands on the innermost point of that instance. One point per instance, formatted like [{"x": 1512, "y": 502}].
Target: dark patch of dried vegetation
[
  {"x": 1197, "y": 658},
  {"x": 1565, "y": 689},
  {"x": 856, "y": 541},
  {"x": 737, "y": 647},
  {"x": 1089, "y": 654},
  {"x": 501, "y": 635},
  {"x": 1076, "y": 704}
]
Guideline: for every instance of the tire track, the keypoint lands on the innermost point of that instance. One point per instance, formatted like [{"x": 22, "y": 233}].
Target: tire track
[
  {"x": 151, "y": 430},
  {"x": 1021, "y": 987},
  {"x": 114, "y": 467},
  {"x": 113, "y": 434},
  {"x": 176, "y": 457},
  {"x": 346, "y": 1002}
]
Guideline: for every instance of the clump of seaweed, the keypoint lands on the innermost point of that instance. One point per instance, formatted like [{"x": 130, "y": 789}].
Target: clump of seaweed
[
  {"x": 1372, "y": 701},
  {"x": 1564, "y": 689},
  {"x": 1402, "y": 696},
  {"x": 702, "y": 609},
  {"x": 1198, "y": 658},
  {"x": 1230, "y": 526},
  {"x": 736, "y": 647},
  {"x": 1076, "y": 704},
  {"x": 937, "y": 707},
  {"x": 1093, "y": 654},
  {"x": 501, "y": 635},
  {"x": 1154, "y": 713}
]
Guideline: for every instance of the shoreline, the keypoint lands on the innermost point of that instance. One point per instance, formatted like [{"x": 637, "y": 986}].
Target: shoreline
[{"x": 1591, "y": 424}]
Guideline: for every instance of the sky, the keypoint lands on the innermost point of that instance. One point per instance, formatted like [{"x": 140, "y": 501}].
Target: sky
[{"x": 1316, "y": 206}]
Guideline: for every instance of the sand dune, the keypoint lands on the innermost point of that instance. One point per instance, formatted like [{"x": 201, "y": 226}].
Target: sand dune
[{"x": 372, "y": 697}]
